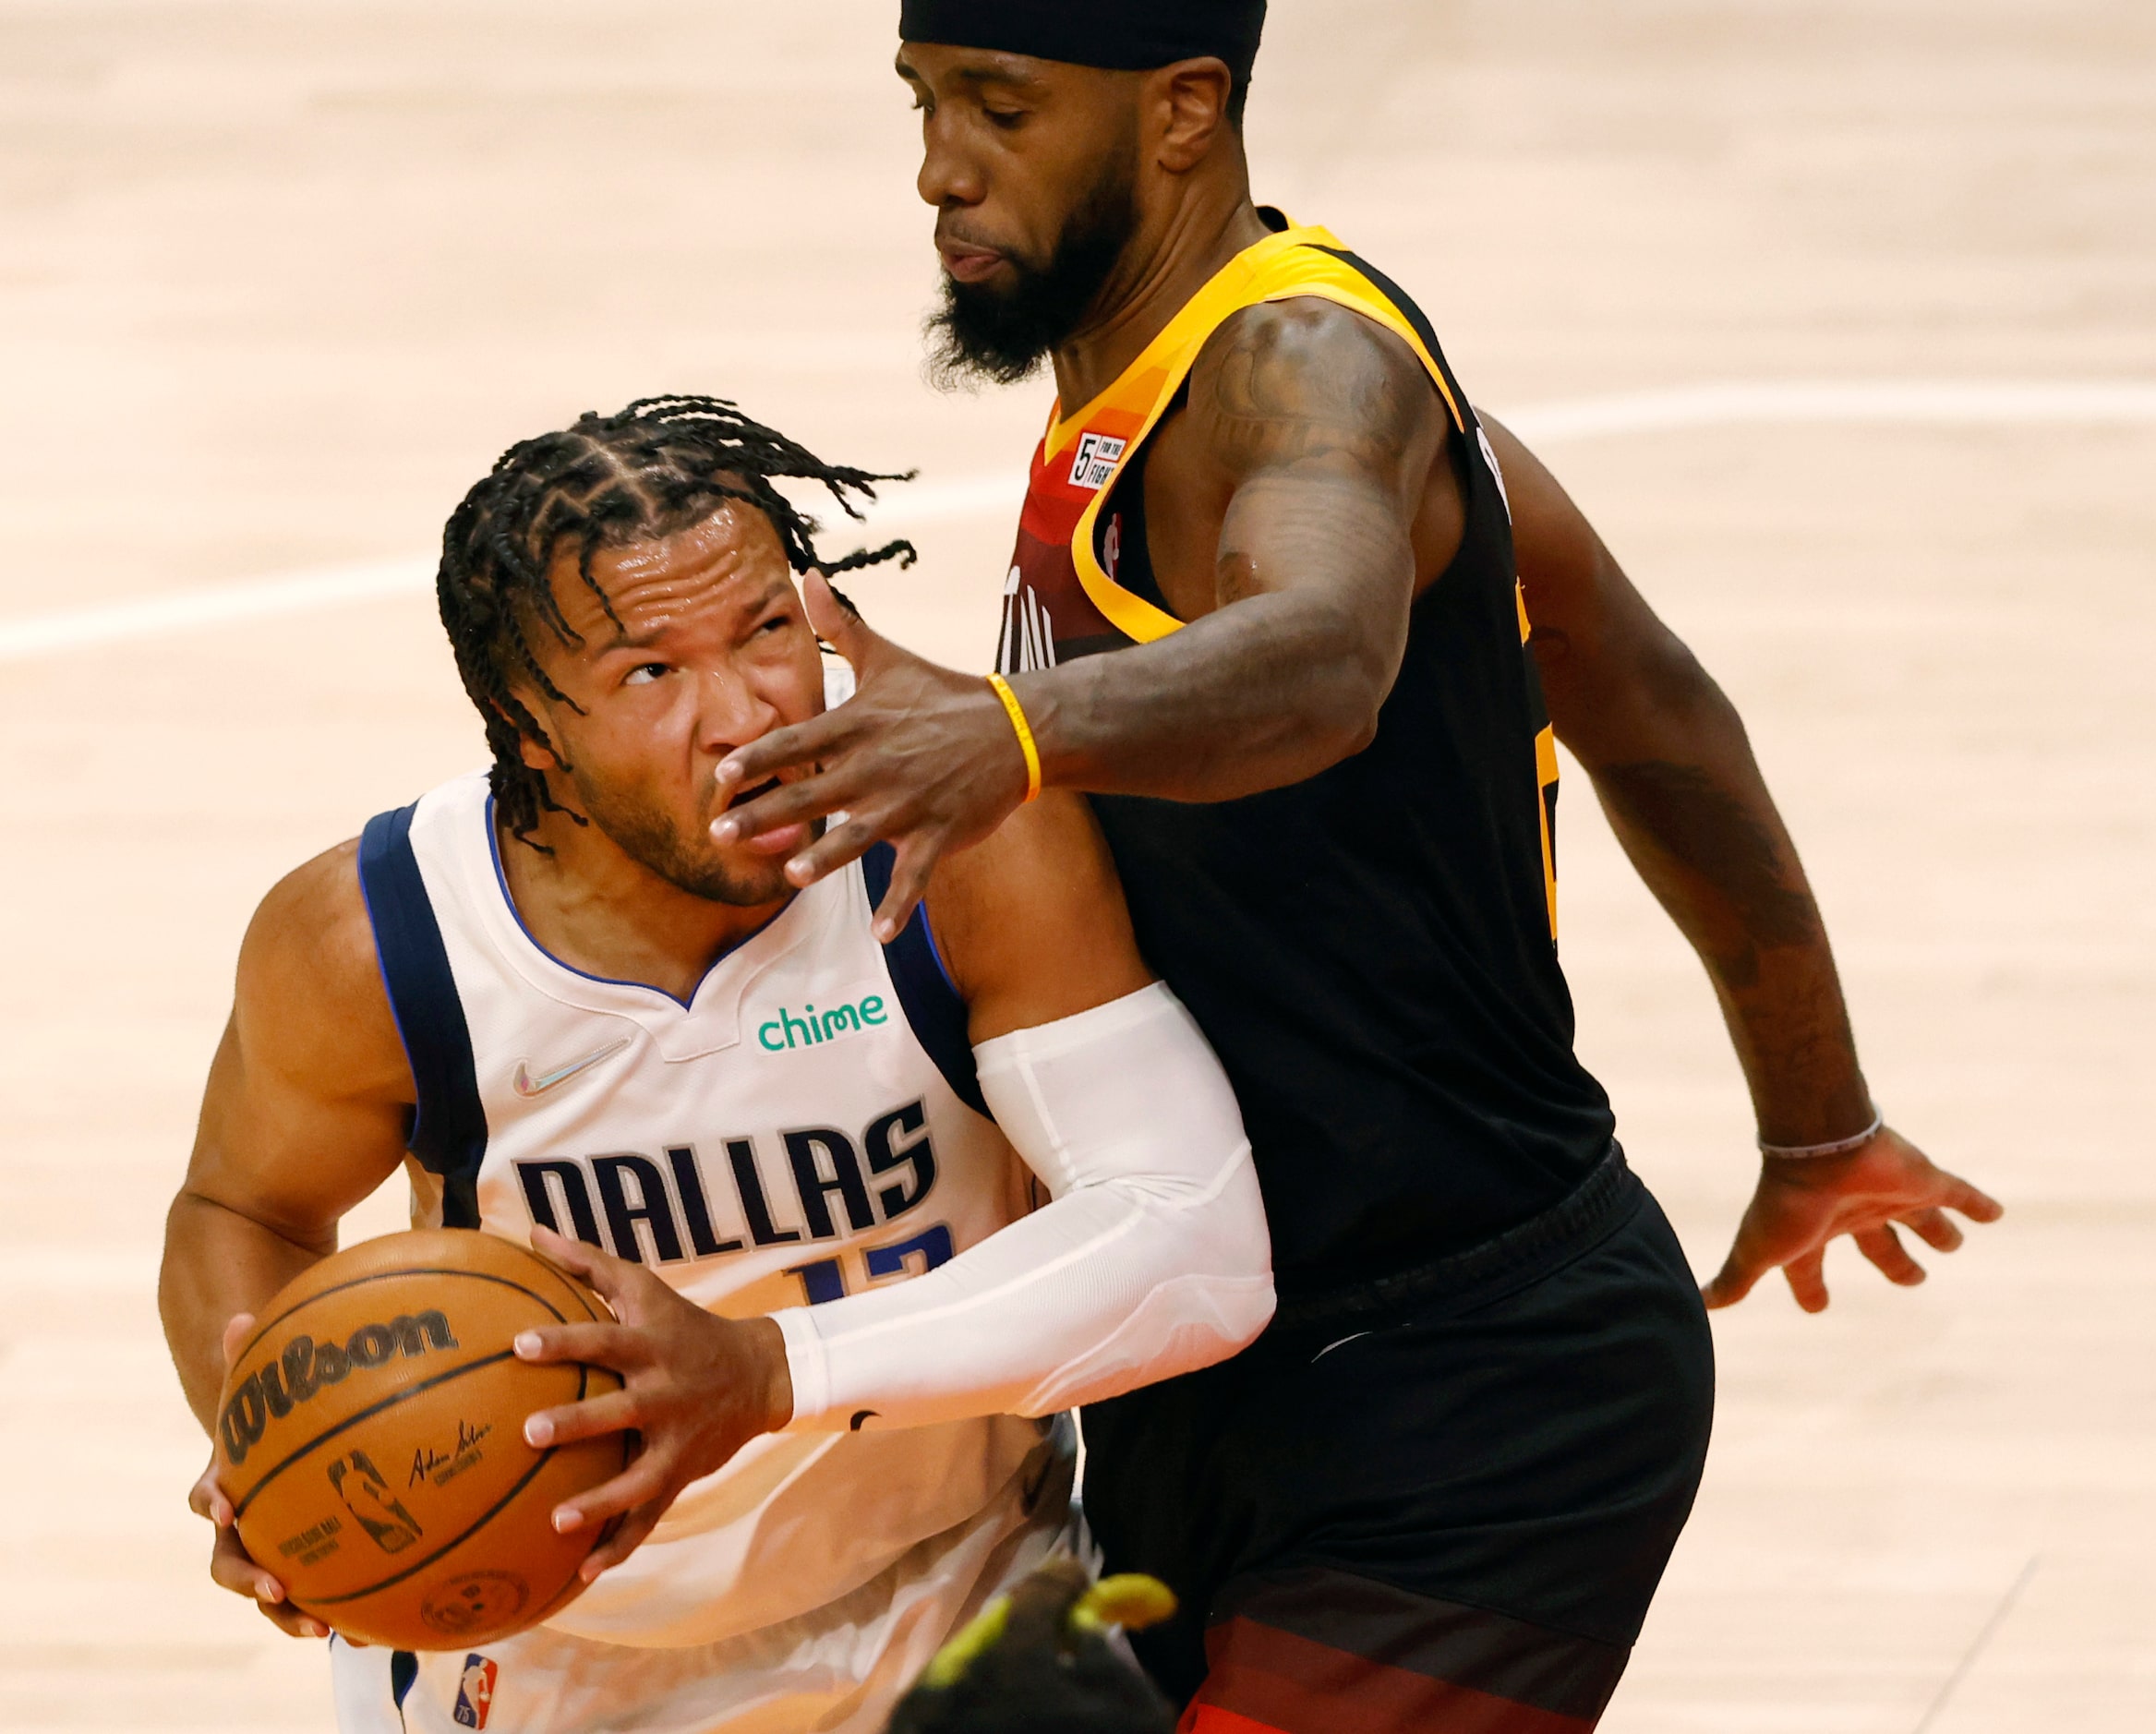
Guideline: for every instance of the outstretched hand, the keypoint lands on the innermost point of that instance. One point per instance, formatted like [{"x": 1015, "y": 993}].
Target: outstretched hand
[
  {"x": 920, "y": 755},
  {"x": 696, "y": 1388},
  {"x": 1803, "y": 1203}
]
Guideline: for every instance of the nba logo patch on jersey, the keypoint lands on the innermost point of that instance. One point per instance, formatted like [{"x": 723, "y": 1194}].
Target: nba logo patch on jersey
[
  {"x": 476, "y": 1692},
  {"x": 1097, "y": 457}
]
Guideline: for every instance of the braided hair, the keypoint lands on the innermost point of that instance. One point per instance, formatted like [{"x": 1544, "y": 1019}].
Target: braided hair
[{"x": 653, "y": 469}]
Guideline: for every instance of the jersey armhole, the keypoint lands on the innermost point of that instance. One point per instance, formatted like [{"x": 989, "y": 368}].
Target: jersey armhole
[
  {"x": 448, "y": 1131},
  {"x": 926, "y": 994},
  {"x": 1132, "y": 566}
]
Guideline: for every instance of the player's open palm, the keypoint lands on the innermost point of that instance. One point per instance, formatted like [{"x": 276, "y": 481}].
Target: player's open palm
[
  {"x": 1802, "y": 1204},
  {"x": 696, "y": 1388}
]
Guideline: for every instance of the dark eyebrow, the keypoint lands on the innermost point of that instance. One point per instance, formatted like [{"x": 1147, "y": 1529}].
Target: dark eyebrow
[
  {"x": 779, "y": 587},
  {"x": 620, "y": 640}
]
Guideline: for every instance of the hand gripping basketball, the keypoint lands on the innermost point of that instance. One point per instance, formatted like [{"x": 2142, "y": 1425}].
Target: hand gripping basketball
[
  {"x": 368, "y": 1450},
  {"x": 695, "y": 1388},
  {"x": 231, "y": 1566}
]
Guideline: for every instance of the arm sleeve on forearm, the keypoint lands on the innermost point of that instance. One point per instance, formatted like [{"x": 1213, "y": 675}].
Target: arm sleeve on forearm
[{"x": 1151, "y": 1259}]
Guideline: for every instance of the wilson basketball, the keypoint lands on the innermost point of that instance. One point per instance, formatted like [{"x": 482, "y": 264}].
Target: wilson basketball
[{"x": 370, "y": 1437}]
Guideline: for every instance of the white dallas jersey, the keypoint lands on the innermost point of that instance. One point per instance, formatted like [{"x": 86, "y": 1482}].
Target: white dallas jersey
[{"x": 797, "y": 1131}]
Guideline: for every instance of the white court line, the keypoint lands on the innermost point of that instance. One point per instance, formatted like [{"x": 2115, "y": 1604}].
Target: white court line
[
  {"x": 1903, "y": 402},
  {"x": 298, "y": 593}
]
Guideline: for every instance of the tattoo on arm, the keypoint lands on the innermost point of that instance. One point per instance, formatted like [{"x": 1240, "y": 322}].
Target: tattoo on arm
[
  {"x": 1235, "y": 577},
  {"x": 1324, "y": 428},
  {"x": 1691, "y": 817},
  {"x": 1308, "y": 439},
  {"x": 1279, "y": 400}
]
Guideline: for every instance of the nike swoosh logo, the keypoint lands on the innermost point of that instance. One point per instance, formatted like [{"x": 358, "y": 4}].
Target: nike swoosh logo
[{"x": 525, "y": 1085}]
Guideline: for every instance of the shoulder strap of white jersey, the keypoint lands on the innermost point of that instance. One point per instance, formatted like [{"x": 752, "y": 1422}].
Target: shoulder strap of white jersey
[
  {"x": 925, "y": 992},
  {"x": 448, "y": 1133}
]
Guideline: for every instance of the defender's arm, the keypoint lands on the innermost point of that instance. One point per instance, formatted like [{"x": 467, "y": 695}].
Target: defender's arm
[
  {"x": 1317, "y": 429},
  {"x": 1314, "y": 431},
  {"x": 1674, "y": 771}
]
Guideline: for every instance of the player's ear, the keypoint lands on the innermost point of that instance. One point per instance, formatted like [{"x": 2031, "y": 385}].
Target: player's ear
[
  {"x": 532, "y": 751},
  {"x": 1191, "y": 100}
]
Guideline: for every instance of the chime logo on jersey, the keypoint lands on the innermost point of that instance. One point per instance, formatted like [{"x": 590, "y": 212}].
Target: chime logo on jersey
[
  {"x": 1097, "y": 457},
  {"x": 725, "y": 1195},
  {"x": 476, "y": 1692},
  {"x": 810, "y": 1027}
]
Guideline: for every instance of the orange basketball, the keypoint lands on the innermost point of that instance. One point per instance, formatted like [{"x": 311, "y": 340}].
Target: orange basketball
[{"x": 370, "y": 1437}]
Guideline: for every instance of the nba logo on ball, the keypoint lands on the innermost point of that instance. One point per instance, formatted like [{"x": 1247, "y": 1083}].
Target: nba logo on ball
[{"x": 475, "y": 1693}]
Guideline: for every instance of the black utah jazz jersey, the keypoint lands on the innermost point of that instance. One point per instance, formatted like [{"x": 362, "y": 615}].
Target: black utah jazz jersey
[{"x": 1372, "y": 952}]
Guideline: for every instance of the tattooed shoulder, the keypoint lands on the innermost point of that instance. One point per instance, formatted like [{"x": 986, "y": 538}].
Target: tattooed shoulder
[{"x": 1289, "y": 383}]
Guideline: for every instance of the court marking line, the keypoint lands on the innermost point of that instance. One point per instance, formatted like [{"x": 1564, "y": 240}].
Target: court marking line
[
  {"x": 1943, "y": 403},
  {"x": 1982, "y": 1642}
]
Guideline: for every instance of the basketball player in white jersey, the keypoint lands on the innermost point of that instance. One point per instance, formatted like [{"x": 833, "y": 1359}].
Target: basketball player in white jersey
[{"x": 549, "y": 997}]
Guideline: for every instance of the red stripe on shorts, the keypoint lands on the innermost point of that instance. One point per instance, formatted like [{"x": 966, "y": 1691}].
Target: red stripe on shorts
[
  {"x": 1265, "y": 1680},
  {"x": 1210, "y": 1718}
]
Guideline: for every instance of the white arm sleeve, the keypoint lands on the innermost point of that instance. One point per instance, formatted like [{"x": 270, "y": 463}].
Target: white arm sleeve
[{"x": 1152, "y": 1259}]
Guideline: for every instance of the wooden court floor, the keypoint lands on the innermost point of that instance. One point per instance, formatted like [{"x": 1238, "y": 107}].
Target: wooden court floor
[{"x": 1840, "y": 315}]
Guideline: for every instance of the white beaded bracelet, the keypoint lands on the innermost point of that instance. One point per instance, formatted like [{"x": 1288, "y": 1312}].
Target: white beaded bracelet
[{"x": 1840, "y": 1147}]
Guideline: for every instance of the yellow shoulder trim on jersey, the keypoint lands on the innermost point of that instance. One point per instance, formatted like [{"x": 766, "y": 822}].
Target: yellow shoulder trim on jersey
[
  {"x": 1283, "y": 267},
  {"x": 1545, "y": 777},
  {"x": 1196, "y": 319}
]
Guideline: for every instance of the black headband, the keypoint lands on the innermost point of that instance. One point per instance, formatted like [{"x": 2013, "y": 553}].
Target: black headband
[{"x": 1125, "y": 35}]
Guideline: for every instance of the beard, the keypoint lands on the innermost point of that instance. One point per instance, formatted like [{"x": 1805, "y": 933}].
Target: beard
[
  {"x": 650, "y": 837},
  {"x": 979, "y": 333}
]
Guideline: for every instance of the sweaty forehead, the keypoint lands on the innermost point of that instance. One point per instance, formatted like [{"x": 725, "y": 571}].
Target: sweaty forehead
[{"x": 731, "y": 560}]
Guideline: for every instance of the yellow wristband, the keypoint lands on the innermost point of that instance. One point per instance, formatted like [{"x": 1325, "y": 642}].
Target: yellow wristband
[{"x": 1024, "y": 730}]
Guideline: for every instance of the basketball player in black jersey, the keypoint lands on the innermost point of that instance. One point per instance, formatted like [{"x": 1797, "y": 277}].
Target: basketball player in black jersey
[{"x": 1264, "y": 610}]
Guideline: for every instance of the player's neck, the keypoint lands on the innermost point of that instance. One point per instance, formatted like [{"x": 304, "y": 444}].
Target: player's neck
[
  {"x": 1162, "y": 270},
  {"x": 595, "y": 908}
]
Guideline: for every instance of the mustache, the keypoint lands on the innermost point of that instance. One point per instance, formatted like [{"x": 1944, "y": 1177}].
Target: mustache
[{"x": 949, "y": 231}]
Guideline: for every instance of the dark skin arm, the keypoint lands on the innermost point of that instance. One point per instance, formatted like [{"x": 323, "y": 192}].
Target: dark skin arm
[
  {"x": 1308, "y": 441},
  {"x": 1295, "y": 509},
  {"x": 1675, "y": 773}
]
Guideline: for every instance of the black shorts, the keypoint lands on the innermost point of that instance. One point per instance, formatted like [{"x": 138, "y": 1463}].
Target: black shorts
[{"x": 1442, "y": 1501}]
